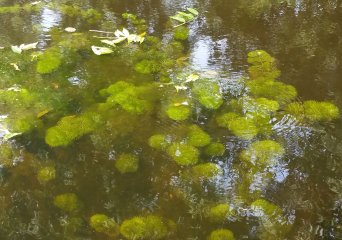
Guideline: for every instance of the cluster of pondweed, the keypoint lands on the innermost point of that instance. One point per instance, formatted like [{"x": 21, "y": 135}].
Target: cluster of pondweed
[
  {"x": 49, "y": 61},
  {"x": 68, "y": 202},
  {"x": 103, "y": 224},
  {"x": 127, "y": 163},
  {"x": 28, "y": 7},
  {"x": 221, "y": 234},
  {"x": 46, "y": 174}
]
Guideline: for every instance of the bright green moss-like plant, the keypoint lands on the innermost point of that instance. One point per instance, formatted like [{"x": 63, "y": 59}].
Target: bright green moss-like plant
[
  {"x": 269, "y": 209},
  {"x": 181, "y": 33},
  {"x": 67, "y": 202},
  {"x": 127, "y": 163},
  {"x": 221, "y": 234},
  {"x": 71, "y": 128},
  {"x": 320, "y": 111},
  {"x": 208, "y": 93},
  {"x": 197, "y": 137},
  {"x": 215, "y": 149},
  {"x": 183, "y": 154},
  {"x": 103, "y": 224},
  {"x": 219, "y": 213},
  {"x": 178, "y": 113},
  {"x": 46, "y": 174},
  {"x": 49, "y": 61},
  {"x": 205, "y": 171},
  {"x": 147, "y": 66},
  {"x": 149, "y": 227},
  {"x": 263, "y": 65},
  {"x": 260, "y": 106},
  {"x": 158, "y": 141},
  {"x": 225, "y": 119},
  {"x": 263, "y": 153}
]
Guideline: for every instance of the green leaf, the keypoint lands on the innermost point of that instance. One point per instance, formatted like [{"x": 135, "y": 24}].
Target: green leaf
[
  {"x": 178, "y": 18},
  {"x": 101, "y": 50},
  {"x": 186, "y": 15},
  {"x": 193, "y": 11}
]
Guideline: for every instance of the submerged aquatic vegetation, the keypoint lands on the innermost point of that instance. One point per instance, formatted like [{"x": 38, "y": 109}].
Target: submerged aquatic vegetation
[
  {"x": 208, "y": 93},
  {"x": 313, "y": 110},
  {"x": 67, "y": 202},
  {"x": 181, "y": 33},
  {"x": 205, "y": 171},
  {"x": 219, "y": 213},
  {"x": 147, "y": 66},
  {"x": 197, "y": 137},
  {"x": 184, "y": 17},
  {"x": 215, "y": 149},
  {"x": 221, "y": 234},
  {"x": 70, "y": 128},
  {"x": 262, "y": 65},
  {"x": 46, "y": 174},
  {"x": 263, "y": 153},
  {"x": 149, "y": 227},
  {"x": 184, "y": 154},
  {"x": 103, "y": 224},
  {"x": 6, "y": 154},
  {"x": 178, "y": 113},
  {"x": 158, "y": 141},
  {"x": 49, "y": 61},
  {"x": 127, "y": 163}
]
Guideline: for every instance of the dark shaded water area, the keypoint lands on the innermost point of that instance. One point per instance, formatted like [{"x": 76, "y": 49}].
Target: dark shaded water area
[{"x": 226, "y": 127}]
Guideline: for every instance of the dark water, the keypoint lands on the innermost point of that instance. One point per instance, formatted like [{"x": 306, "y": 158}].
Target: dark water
[{"x": 52, "y": 183}]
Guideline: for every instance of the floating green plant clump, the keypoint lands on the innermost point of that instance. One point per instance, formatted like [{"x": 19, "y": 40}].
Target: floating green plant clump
[
  {"x": 46, "y": 174},
  {"x": 67, "y": 202},
  {"x": 197, "y": 137},
  {"x": 103, "y": 224},
  {"x": 149, "y": 227},
  {"x": 208, "y": 93},
  {"x": 215, "y": 149},
  {"x": 263, "y": 153},
  {"x": 127, "y": 163},
  {"x": 181, "y": 33},
  {"x": 205, "y": 171},
  {"x": 70, "y": 128},
  {"x": 183, "y": 154},
  {"x": 49, "y": 61},
  {"x": 221, "y": 234},
  {"x": 178, "y": 113},
  {"x": 219, "y": 213},
  {"x": 313, "y": 111},
  {"x": 262, "y": 65},
  {"x": 158, "y": 141}
]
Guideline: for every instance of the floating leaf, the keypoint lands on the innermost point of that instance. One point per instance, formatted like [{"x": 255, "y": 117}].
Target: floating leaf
[
  {"x": 101, "y": 50},
  {"x": 16, "y": 49},
  {"x": 193, "y": 11},
  {"x": 42, "y": 113},
  {"x": 179, "y": 19},
  {"x": 25, "y": 47}
]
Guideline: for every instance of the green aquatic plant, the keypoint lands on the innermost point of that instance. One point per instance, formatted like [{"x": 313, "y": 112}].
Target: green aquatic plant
[
  {"x": 149, "y": 227},
  {"x": 262, "y": 65},
  {"x": 147, "y": 66},
  {"x": 49, "y": 61},
  {"x": 313, "y": 110},
  {"x": 278, "y": 91},
  {"x": 103, "y": 224},
  {"x": 205, "y": 171},
  {"x": 91, "y": 15},
  {"x": 197, "y": 137},
  {"x": 6, "y": 154},
  {"x": 67, "y": 202},
  {"x": 181, "y": 33},
  {"x": 46, "y": 174},
  {"x": 219, "y": 213},
  {"x": 127, "y": 163},
  {"x": 178, "y": 112},
  {"x": 183, "y": 154},
  {"x": 184, "y": 17},
  {"x": 23, "y": 123},
  {"x": 158, "y": 141},
  {"x": 269, "y": 209},
  {"x": 70, "y": 128},
  {"x": 225, "y": 119},
  {"x": 208, "y": 93},
  {"x": 29, "y": 7},
  {"x": 221, "y": 234},
  {"x": 215, "y": 149},
  {"x": 259, "y": 106},
  {"x": 263, "y": 153}
]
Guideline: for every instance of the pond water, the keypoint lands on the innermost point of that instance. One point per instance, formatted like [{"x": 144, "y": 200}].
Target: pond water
[{"x": 226, "y": 126}]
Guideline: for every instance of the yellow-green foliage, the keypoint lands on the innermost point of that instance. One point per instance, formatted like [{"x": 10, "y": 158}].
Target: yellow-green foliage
[
  {"x": 183, "y": 154},
  {"x": 46, "y": 174},
  {"x": 158, "y": 141},
  {"x": 208, "y": 93},
  {"x": 178, "y": 113},
  {"x": 241, "y": 127},
  {"x": 71, "y": 128},
  {"x": 278, "y": 91},
  {"x": 262, "y": 65},
  {"x": 6, "y": 154},
  {"x": 149, "y": 227},
  {"x": 103, "y": 224},
  {"x": 221, "y": 234},
  {"x": 90, "y": 15},
  {"x": 147, "y": 66},
  {"x": 67, "y": 202},
  {"x": 215, "y": 149},
  {"x": 133, "y": 99},
  {"x": 133, "y": 19},
  {"x": 269, "y": 209},
  {"x": 313, "y": 110},
  {"x": 18, "y": 8},
  {"x": 181, "y": 33},
  {"x": 49, "y": 61},
  {"x": 22, "y": 123},
  {"x": 10, "y": 9},
  {"x": 219, "y": 213},
  {"x": 127, "y": 163},
  {"x": 259, "y": 106},
  {"x": 262, "y": 153},
  {"x": 197, "y": 137},
  {"x": 20, "y": 98},
  {"x": 205, "y": 171}
]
